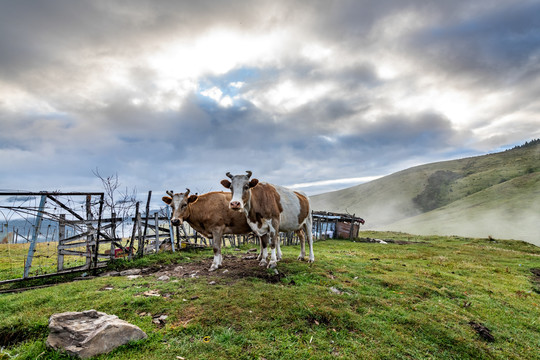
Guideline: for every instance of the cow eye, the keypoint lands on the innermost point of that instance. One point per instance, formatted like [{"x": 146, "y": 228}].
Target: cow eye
[{"x": 246, "y": 187}]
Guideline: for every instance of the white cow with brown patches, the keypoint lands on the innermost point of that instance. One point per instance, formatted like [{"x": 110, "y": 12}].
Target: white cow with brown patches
[{"x": 270, "y": 209}]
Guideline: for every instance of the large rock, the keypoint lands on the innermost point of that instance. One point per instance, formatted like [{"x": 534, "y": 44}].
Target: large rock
[{"x": 90, "y": 333}]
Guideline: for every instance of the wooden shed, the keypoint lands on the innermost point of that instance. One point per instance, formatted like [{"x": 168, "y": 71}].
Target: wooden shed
[{"x": 335, "y": 225}]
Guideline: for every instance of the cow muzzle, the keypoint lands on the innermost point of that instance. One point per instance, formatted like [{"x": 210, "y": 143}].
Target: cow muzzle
[
  {"x": 235, "y": 205},
  {"x": 176, "y": 222}
]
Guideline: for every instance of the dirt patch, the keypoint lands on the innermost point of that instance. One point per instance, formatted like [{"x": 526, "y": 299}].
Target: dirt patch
[
  {"x": 482, "y": 331},
  {"x": 535, "y": 279},
  {"x": 234, "y": 268}
]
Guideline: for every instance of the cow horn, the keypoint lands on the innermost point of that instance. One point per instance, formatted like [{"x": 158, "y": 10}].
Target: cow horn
[
  {"x": 229, "y": 174},
  {"x": 170, "y": 193},
  {"x": 187, "y": 193},
  {"x": 249, "y": 173}
]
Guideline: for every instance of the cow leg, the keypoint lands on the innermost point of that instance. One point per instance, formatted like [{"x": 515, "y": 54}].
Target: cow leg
[
  {"x": 274, "y": 235},
  {"x": 259, "y": 257},
  {"x": 216, "y": 235},
  {"x": 278, "y": 247},
  {"x": 302, "y": 245},
  {"x": 264, "y": 250},
  {"x": 309, "y": 235}
]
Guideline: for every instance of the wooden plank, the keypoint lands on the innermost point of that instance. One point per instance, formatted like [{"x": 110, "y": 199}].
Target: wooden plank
[
  {"x": 94, "y": 221},
  {"x": 61, "y": 235},
  {"x": 83, "y": 253},
  {"x": 55, "y": 193},
  {"x": 77, "y": 236},
  {"x": 73, "y": 245}
]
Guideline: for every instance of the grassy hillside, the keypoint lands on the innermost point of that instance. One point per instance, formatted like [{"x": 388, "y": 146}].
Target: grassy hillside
[
  {"x": 426, "y": 297},
  {"x": 509, "y": 210},
  {"x": 503, "y": 184}
]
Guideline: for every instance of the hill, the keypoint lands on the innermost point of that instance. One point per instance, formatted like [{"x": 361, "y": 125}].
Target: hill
[{"x": 491, "y": 195}]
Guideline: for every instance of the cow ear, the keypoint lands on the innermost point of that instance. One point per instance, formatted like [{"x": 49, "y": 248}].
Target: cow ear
[
  {"x": 192, "y": 199},
  {"x": 167, "y": 200},
  {"x": 226, "y": 183},
  {"x": 253, "y": 182}
]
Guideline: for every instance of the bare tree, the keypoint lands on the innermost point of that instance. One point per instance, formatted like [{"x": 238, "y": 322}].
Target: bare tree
[{"x": 116, "y": 201}]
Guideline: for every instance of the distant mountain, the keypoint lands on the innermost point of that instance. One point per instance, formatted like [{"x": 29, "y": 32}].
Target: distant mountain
[{"x": 494, "y": 195}]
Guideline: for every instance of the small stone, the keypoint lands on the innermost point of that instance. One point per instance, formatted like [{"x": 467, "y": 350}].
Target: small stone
[
  {"x": 111, "y": 273},
  {"x": 336, "y": 291},
  {"x": 130, "y": 272},
  {"x": 163, "y": 278},
  {"x": 133, "y": 277},
  {"x": 160, "y": 320},
  {"x": 212, "y": 283}
]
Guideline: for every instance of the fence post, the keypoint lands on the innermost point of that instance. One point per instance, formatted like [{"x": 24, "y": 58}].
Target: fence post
[
  {"x": 157, "y": 231},
  {"x": 140, "y": 249},
  {"x": 171, "y": 230},
  {"x": 351, "y": 229},
  {"x": 100, "y": 215},
  {"x": 147, "y": 216},
  {"x": 35, "y": 234},
  {"x": 132, "y": 241},
  {"x": 61, "y": 237},
  {"x": 113, "y": 233}
]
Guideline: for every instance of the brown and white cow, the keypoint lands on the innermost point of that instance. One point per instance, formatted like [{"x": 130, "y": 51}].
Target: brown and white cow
[
  {"x": 270, "y": 209},
  {"x": 208, "y": 214}
]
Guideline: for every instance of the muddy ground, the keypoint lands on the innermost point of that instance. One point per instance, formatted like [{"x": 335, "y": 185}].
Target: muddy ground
[{"x": 234, "y": 267}]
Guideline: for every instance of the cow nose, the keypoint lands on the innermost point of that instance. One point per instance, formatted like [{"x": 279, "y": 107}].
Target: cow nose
[
  {"x": 175, "y": 222},
  {"x": 235, "y": 204}
]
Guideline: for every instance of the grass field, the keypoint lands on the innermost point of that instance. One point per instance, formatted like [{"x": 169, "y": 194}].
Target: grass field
[
  {"x": 421, "y": 299},
  {"x": 45, "y": 261}
]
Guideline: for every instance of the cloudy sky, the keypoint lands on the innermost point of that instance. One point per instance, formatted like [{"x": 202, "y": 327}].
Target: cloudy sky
[{"x": 319, "y": 95}]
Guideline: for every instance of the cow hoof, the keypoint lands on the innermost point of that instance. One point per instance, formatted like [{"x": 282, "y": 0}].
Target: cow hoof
[
  {"x": 272, "y": 265},
  {"x": 213, "y": 268},
  {"x": 300, "y": 257},
  {"x": 311, "y": 260},
  {"x": 262, "y": 262}
]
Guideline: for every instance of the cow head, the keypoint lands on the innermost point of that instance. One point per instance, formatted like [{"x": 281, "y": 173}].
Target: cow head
[
  {"x": 240, "y": 186},
  {"x": 179, "y": 203}
]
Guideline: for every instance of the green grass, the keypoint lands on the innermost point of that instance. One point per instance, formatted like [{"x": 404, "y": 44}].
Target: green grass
[
  {"x": 412, "y": 301},
  {"x": 13, "y": 258}
]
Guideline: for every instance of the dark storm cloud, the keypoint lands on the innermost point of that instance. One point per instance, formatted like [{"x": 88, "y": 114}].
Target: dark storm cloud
[{"x": 83, "y": 93}]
